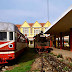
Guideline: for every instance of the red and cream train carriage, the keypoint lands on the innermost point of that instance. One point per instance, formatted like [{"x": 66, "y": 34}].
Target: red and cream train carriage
[{"x": 12, "y": 42}]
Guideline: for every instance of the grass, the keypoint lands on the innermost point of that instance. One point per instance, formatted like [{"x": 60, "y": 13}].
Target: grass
[
  {"x": 25, "y": 61},
  {"x": 24, "y": 67}
]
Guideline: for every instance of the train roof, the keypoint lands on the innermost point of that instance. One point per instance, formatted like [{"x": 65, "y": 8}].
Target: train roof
[{"x": 4, "y": 26}]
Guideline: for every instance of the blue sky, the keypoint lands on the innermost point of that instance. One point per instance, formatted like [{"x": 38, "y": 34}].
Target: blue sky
[{"x": 18, "y": 11}]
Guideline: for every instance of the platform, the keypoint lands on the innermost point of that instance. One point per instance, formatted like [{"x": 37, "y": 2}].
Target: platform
[{"x": 65, "y": 53}]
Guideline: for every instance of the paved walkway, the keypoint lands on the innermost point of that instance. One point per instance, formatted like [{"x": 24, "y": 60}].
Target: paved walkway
[{"x": 64, "y": 53}]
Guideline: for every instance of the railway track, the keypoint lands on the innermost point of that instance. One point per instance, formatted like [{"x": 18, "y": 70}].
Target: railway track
[
  {"x": 58, "y": 65},
  {"x": 51, "y": 64},
  {"x": 46, "y": 66}
]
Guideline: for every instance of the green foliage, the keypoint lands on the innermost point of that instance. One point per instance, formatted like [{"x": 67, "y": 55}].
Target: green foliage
[
  {"x": 65, "y": 68},
  {"x": 70, "y": 64},
  {"x": 61, "y": 60},
  {"x": 52, "y": 54},
  {"x": 59, "y": 56}
]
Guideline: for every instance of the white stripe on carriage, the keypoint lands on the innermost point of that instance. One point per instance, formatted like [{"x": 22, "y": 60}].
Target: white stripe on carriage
[
  {"x": 9, "y": 52},
  {"x": 2, "y": 45}
]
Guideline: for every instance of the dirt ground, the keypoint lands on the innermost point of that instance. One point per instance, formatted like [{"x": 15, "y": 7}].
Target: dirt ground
[{"x": 36, "y": 66}]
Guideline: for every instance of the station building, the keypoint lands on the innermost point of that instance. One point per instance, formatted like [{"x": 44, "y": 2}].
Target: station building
[
  {"x": 60, "y": 29},
  {"x": 32, "y": 29}
]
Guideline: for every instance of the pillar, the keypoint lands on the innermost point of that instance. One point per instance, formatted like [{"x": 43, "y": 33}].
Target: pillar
[
  {"x": 50, "y": 41},
  {"x": 58, "y": 42},
  {"x": 29, "y": 42},
  {"x": 71, "y": 39},
  {"x": 55, "y": 41},
  {"x": 61, "y": 41},
  {"x": 34, "y": 42}
]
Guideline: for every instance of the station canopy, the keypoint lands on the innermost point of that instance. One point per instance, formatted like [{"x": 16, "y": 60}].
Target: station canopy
[{"x": 62, "y": 24}]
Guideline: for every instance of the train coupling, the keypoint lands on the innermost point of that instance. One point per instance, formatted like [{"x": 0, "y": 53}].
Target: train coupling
[{"x": 3, "y": 61}]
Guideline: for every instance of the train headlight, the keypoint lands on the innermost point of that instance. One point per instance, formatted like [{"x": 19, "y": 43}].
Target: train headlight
[{"x": 10, "y": 45}]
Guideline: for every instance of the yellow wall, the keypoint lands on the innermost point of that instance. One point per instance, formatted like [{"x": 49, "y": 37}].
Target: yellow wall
[
  {"x": 36, "y": 25},
  {"x": 46, "y": 25},
  {"x": 25, "y": 24}
]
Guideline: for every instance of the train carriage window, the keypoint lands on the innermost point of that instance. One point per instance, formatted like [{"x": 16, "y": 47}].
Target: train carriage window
[
  {"x": 3, "y": 35},
  {"x": 10, "y": 35}
]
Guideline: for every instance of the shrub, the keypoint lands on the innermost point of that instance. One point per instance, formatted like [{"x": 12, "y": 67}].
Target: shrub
[
  {"x": 59, "y": 56},
  {"x": 65, "y": 68}
]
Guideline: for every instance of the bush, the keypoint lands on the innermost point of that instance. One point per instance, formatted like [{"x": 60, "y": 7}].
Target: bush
[
  {"x": 70, "y": 64},
  {"x": 61, "y": 60},
  {"x": 59, "y": 56},
  {"x": 66, "y": 68}
]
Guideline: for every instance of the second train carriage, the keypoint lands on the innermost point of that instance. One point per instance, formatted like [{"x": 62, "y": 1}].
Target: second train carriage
[
  {"x": 41, "y": 43},
  {"x": 12, "y": 42}
]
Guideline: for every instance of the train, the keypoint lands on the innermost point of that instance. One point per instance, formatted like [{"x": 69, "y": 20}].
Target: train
[
  {"x": 41, "y": 43},
  {"x": 12, "y": 42}
]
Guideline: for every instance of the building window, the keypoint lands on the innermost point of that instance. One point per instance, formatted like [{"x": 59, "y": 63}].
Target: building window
[
  {"x": 36, "y": 31},
  {"x": 31, "y": 30},
  {"x": 26, "y": 31},
  {"x": 46, "y": 28}
]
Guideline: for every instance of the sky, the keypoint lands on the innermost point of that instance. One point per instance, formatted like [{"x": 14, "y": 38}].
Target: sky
[{"x": 18, "y": 11}]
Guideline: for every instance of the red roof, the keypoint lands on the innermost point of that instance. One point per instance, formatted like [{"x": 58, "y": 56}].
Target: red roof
[
  {"x": 18, "y": 26},
  {"x": 42, "y": 24},
  {"x": 31, "y": 24}
]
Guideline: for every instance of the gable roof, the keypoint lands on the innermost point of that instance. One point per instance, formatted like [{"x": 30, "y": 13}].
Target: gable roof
[
  {"x": 37, "y": 23},
  {"x": 30, "y": 24},
  {"x": 26, "y": 23}
]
